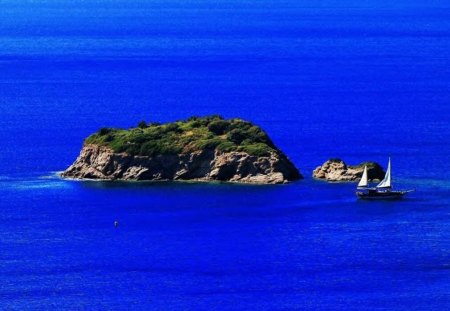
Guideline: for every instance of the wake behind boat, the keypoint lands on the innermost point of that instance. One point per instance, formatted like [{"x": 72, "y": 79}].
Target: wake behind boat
[{"x": 383, "y": 191}]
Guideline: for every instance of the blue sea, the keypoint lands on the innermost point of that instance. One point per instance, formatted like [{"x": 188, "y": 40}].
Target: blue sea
[{"x": 357, "y": 80}]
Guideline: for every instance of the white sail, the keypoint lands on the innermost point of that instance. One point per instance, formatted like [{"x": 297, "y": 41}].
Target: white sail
[
  {"x": 386, "y": 182},
  {"x": 363, "y": 182}
]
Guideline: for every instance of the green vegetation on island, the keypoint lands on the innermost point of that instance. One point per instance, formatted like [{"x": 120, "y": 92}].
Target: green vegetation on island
[{"x": 194, "y": 134}]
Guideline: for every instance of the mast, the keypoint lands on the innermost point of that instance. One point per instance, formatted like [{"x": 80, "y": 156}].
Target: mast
[
  {"x": 386, "y": 182},
  {"x": 363, "y": 182}
]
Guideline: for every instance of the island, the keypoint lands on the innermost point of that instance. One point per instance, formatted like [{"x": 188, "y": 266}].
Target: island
[
  {"x": 338, "y": 170},
  {"x": 197, "y": 149}
]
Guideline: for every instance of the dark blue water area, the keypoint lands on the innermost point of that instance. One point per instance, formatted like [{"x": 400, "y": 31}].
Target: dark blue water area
[{"x": 354, "y": 80}]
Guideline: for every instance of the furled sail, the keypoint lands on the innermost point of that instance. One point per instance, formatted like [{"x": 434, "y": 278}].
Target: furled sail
[
  {"x": 363, "y": 182},
  {"x": 386, "y": 182}
]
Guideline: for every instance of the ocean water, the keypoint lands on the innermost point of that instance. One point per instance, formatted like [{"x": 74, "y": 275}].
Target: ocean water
[{"x": 355, "y": 80}]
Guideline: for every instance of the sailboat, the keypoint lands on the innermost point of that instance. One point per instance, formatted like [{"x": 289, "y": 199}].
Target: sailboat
[
  {"x": 382, "y": 191},
  {"x": 364, "y": 182}
]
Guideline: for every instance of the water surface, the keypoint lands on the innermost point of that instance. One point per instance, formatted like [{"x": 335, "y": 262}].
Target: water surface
[{"x": 359, "y": 82}]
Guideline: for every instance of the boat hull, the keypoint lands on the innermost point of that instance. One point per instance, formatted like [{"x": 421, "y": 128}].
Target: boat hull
[{"x": 381, "y": 195}]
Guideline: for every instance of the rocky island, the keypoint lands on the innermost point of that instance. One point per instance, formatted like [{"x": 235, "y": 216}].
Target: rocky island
[
  {"x": 338, "y": 170},
  {"x": 200, "y": 148}
]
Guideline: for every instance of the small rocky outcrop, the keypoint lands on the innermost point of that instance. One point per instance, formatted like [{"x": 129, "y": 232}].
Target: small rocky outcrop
[
  {"x": 338, "y": 170},
  {"x": 101, "y": 162}
]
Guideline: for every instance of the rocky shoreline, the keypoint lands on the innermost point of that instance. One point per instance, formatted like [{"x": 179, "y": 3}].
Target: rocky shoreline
[
  {"x": 102, "y": 163},
  {"x": 336, "y": 170},
  {"x": 206, "y": 149}
]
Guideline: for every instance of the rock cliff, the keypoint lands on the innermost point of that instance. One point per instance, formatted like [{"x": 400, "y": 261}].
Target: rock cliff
[
  {"x": 101, "y": 162},
  {"x": 338, "y": 170}
]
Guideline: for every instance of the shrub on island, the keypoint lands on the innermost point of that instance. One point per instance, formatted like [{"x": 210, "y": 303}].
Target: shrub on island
[{"x": 194, "y": 134}]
